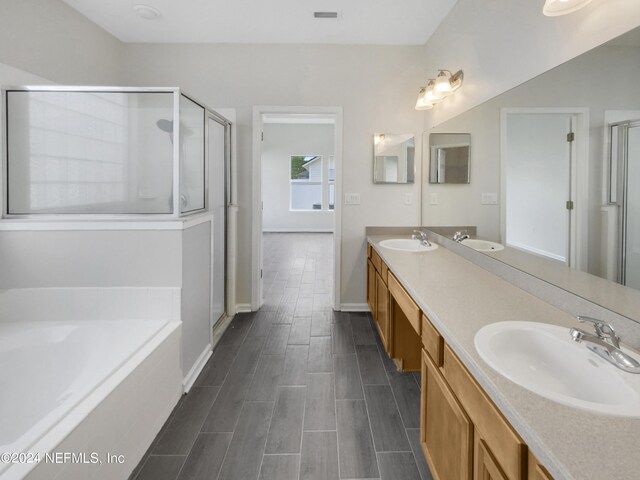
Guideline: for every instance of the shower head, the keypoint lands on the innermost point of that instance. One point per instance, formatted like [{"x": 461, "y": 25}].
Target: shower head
[{"x": 165, "y": 125}]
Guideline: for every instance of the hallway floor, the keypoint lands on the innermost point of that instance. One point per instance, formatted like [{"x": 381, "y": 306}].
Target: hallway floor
[{"x": 294, "y": 391}]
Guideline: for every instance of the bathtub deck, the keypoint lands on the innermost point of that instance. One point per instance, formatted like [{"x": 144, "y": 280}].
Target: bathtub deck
[{"x": 294, "y": 391}]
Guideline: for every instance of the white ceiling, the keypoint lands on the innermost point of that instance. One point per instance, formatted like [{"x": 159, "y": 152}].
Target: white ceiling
[{"x": 366, "y": 22}]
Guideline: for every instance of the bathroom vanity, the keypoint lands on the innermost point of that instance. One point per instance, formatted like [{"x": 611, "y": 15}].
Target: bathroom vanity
[{"x": 475, "y": 423}]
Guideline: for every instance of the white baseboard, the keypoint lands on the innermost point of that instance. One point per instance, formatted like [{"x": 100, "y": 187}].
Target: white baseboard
[
  {"x": 354, "y": 307},
  {"x": 190, "y": 378},
  {"x": 219, "y": 330},
  {"x": 297, "y": 230},
  {"x": 243, "y": 307}
]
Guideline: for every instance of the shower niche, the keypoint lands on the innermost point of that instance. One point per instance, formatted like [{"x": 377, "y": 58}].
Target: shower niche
[{"x": 105, "y": 151}]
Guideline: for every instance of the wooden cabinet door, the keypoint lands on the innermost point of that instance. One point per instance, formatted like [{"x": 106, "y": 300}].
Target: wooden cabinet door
[
  {"x": 486, "y": 467},
  {"x": 446, "y": 433},
  {"x": 382, "y": 310},
  {"x": 371, "y": 288},
  {"x": 537, "y": 471}
]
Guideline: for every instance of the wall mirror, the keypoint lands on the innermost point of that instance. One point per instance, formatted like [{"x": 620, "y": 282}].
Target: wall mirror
[
  {"x": 448, "y": 157},
  {"x": 556, "y": 176},
  {"x": 394, "y": 158}
]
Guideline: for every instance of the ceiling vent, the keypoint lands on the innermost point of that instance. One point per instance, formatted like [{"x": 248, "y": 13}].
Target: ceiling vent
[{"x": 325, "y": 14}]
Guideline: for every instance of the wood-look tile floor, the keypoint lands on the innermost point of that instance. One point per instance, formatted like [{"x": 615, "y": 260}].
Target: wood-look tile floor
[{"x": 294, "y": 391}]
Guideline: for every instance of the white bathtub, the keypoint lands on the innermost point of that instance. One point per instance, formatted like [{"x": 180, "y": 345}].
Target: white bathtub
[{"x": 83, "y": 387}]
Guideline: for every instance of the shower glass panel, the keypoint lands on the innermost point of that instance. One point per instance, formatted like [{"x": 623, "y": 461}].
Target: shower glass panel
[
  {"x": 192, "y": 162},
  {"x": 88, "y": 152},
  {"x": 632, "y": 209},
  {"x": 107, "y": 151}
]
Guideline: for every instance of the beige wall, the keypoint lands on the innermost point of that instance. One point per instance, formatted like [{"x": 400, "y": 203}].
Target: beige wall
[{"x": 50, "y": 39}]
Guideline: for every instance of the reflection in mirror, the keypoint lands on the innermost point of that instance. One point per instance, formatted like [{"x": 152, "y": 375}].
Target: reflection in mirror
[
  {"x": 449, "y": 157},
  {"x": 556, "y": 167},
  {"x": 394, "y": 158}
]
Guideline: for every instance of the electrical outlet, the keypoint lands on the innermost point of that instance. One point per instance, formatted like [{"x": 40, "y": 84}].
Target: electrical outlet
[
  {"x": 352, "y": 199},
  {"x": 433, "y": 198},
  {"x": 408, "y": 199}
]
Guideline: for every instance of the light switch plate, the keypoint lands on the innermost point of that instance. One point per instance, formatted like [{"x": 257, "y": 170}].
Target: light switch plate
[
  {"x": 408, "y": 199},
  {"x": 433, "y": 198},
  {"x": 489, "y": 199},
  {"x": 352, "y": 199}
]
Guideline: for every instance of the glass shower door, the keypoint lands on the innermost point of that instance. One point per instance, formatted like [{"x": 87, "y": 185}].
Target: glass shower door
[
  {"x": 632, "y": 208},
  {"x": 218, "y": 207}
]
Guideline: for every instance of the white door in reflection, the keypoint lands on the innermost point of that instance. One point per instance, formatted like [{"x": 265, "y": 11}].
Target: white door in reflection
[
  {"x": 218, "y": 206},
  {"x": 538, "y": 183}
]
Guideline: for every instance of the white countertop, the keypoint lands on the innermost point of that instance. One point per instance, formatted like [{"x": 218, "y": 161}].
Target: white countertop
[{"x": 459, "y": 298}]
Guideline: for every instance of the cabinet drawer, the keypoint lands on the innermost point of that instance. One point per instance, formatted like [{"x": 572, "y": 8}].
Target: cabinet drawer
[
  {"x": 509, "y": 450},
  {"x": 405, "y": 302},
  {"x": 376, "y": 260},
  {"x": 432, "y": 341},
  {"x": 369, "y": 249}
]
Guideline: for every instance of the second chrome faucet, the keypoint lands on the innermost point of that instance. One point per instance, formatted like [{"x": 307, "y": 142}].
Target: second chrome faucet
[{"x": 605, "y": 343}]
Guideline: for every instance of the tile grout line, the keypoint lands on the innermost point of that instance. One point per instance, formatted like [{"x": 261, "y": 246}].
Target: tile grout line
[
  {"x": 366, "y": 405},
  {"x": 266, "y": 438},
  {"x": 335, "y": 407}
]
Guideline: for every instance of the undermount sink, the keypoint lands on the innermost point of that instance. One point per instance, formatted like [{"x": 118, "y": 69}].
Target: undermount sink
[
  {"x": 545, "y": 360},
  {"x": 407, "y": 245},
  {"x": 482, "y": 245}
]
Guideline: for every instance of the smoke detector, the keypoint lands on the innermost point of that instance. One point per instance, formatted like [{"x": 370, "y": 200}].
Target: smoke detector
[{"x": 147, "y": 12}]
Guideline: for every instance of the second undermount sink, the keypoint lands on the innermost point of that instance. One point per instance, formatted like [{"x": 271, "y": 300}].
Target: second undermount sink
[
  {"x": 407, "y": 245},
  {"x": 545, "y": 360},
  {"x": 482, "y": 245}
]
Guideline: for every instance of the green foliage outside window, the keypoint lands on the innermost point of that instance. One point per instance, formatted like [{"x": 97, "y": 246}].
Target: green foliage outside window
[{"x": 298, "y": 172}]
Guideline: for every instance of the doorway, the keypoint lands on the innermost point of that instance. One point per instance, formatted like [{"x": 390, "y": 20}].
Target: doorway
[
  {"x": 296, "y": 214},
  {"x": 540, "y": 163}
]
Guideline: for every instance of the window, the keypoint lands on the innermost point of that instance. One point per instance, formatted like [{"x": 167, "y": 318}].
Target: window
[{"x": 306, "y": 183}]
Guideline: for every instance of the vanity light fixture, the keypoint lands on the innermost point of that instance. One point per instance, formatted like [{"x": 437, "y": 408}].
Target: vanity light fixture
[
  {"x": 147, "y": 12},
  {"x": 554, "y": 8},
  {"x": 436, "y": 90}
]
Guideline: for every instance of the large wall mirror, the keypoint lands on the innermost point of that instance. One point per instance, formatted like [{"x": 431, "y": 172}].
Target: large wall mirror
[
  {"x": 394, "y": 158},
  {"x": 556, "y": 176}
]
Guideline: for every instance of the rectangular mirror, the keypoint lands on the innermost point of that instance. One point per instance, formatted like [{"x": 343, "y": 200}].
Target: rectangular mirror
[
  {"x": 449, "y": 157},
  {"x": 394, "y": 158}
]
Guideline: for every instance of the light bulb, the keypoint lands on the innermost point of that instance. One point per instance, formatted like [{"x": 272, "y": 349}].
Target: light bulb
[
  {"x": 422, "y": 103},
  {"x": 442, "y": 86},
  {"x": 554, "y": 8}
]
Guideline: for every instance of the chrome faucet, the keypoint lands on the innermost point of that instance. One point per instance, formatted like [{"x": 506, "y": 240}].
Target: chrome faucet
[
  {"x": 459, "y": 236},
  {"x": 605, "y": 343},
  {"x": 422, "y": 236}
]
